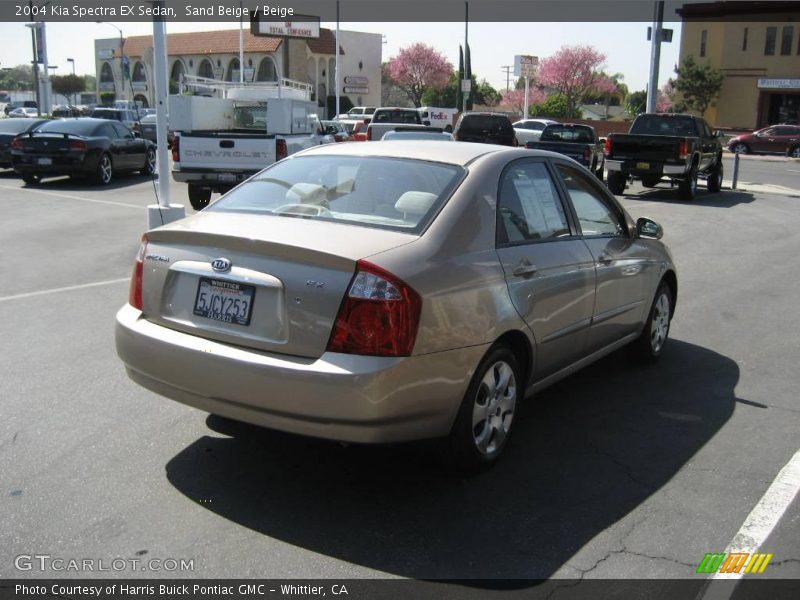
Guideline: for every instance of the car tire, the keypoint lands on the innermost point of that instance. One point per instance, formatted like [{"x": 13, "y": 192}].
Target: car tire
[
  {"x": 199, "y": 196},
  {"x": 740, "y": 148},
  {"x": 714, "y": 180},
  {"x": 616, "y": 182},
  {"x": 649, "y": 346},
  {"x": 483, "y": 425},
  {"x": 650, "y": 181},
  {"x": 599, "y": 172},
  {"x": 105, "y": 170},
  {"x": 149, "y": 167},
  {"x": 794, "y": 152},
  {"x": 688, "y": 187},
  {"x": 31, "y": 179}
]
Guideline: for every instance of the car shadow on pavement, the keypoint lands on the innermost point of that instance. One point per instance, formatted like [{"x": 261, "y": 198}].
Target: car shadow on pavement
[
  {"x": 727, "y": 198},
  {"x": 66, "y": 184},
  {"x": 585, "y": 453}
]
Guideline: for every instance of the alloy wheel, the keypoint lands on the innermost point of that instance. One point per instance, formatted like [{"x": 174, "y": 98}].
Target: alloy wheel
[
  {"x": 493, "y": 408},
  {"x": 659, "y": 327}
]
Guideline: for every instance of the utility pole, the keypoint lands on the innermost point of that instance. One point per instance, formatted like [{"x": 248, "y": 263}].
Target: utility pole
[
  {"x": 507, "y": 69},
  {"x": 655, "y": 55},
  {"x": 466, "y": 53},
  {"x": 35, "y": 64}
]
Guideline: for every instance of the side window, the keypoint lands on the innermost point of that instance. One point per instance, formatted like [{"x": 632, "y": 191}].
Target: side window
[
  {"x": 108, "y": 131},
  {"x": 529, "y": 206},
  {"x": 120, "y": 130},
  {"x": 596, "y": 216}
]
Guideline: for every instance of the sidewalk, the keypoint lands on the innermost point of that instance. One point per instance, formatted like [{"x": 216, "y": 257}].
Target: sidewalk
[
  {"x": 763, "y": 188},
  {"x": 764, "y": 157}
]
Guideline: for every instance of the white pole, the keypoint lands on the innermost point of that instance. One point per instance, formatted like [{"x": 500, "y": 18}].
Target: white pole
[
  {"x": 525, "y": 110},
  {"x": 46, "y": 71},
  {"x": 655, "y": 56},
  {"x": 336, "y": 50},
  {"x": 241, "y": 45}
]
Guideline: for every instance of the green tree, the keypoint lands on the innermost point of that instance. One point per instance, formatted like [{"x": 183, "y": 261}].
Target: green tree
[
  {"x": 68, "y": 85},
  {"x": 637, "y": 103},
  {"x": 17, "y": 78},
  {"x": 697, "y": 85},
  {"x": 107, "y": 98},
  {"x": 554, "y": 107},
  {"x": 447, "y": 97}
]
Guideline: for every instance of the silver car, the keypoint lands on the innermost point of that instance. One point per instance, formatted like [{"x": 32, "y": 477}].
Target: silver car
[{"x": 388, "y": 292}]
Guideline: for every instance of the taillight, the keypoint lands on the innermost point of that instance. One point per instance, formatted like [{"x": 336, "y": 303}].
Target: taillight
[
  {"x": 683, "y": 150},
  {"x": 78, "y": 145},
  {"x": 587, "y": 154},
  {"x": 135, "y": 295},
  {"x": 176, "y": 155},
  {"x": 379, "y": 315},
  {"x": 607, "y": 147},
  {"x": 16, "y": 144},
  {"x": 280, "y": 149}
]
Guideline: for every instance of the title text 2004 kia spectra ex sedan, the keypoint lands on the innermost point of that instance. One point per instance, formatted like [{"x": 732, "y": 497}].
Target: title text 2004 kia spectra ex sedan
[{"x": 388, "y": 292}]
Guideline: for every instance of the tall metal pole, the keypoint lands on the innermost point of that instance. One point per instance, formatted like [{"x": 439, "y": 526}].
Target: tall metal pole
[
  {"x": 35, "y": 64},
  {"x": 466, "y": 51},
  {"x": 527, "y": 87},
  {"x": 336, "y": 50},
  {"x": 45, "y": 70},
  {"x": 241, "y": 45},
  {"x": 655, "y": 56}
]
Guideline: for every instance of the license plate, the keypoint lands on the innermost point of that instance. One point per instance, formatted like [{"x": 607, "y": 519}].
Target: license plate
[
  {"x": 227, "y": 177},
  {"x": 44, "y": 161},
  {"x": 643, "y": 166},
  {"x": 225, "y": 301}
]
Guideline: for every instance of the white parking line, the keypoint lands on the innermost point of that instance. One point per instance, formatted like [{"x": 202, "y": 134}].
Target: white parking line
[
  {"x": 759, "y": 524},
  {"x": 71, "y": 197},
  {"x": 63, "y": 289}
]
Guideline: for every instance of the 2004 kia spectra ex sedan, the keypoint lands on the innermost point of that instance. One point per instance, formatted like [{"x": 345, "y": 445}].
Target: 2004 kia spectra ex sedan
[{"x": 395, "y": 291}]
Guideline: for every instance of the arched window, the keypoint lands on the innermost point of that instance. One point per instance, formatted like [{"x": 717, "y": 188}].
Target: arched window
[
  {"x": 141, "y": 100},
  {"x": 232, "y": 73},
  {"x": 177, "y": 70},
  {"x": 267, "y": 70},
  {"x": 206, "y": 69},
  {"x": 139, "y": 74},
  {"x": 106, "y": 73}
]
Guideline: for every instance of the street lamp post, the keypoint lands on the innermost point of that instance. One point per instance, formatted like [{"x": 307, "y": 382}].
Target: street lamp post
[
  {"x": 72, "y": 60},
  {"x": 121, "y": 55}
]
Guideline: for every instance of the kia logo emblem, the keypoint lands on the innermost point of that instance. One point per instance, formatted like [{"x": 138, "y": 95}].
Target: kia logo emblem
[{"x": 220, "y": 264}]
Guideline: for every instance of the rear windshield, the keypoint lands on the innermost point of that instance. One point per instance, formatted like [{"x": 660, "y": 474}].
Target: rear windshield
[
  {"x": 71, "y": 126},
  {"x": 486, "y": 124},
  {"x": 563, "y": 133},
  {"x": 655, "y": 125},
  {"x": 387, "y": 193},
  {"x": 396, "y": 116},
  {"x": 15, "y": 125}
]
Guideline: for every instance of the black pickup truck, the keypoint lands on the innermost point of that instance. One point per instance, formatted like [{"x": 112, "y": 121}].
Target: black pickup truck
[
  {"x": 579, "y": 142},
  {"x": 678, "y": 147}
]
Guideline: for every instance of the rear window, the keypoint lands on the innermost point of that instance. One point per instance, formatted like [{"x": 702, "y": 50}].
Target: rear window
[
  {"x": 387, "y": 193},
  {"x": 486, "y": 124},
  {"x": 396, "y": 116},
  {"x": 113, "y": 115},
  {"x": 563, "y": 133},
  {"x": 655, "y": 125},
  {"x": 74, "y": 127}
]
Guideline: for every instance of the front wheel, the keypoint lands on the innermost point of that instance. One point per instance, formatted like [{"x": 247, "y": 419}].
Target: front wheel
[
  {"x": 714, "y": 181},
  {"x": 483, "y": 425},
  {"x": 616, "y": 182},
  {"x": 650, "y": 344},
  {"x": 149, "y": 162},
  {"x": 199, "y": 196},
  {"x": 794, "y": 152}
]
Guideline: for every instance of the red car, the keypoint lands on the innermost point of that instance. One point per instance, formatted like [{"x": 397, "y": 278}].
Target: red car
[{"x": 775, "y": 138}]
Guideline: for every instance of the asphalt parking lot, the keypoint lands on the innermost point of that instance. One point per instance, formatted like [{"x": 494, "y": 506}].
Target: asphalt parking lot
[{"x": 620, "y": 471}]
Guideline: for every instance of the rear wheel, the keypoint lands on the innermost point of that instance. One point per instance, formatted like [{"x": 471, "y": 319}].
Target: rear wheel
[
  {"x": 199, "y": 196},
  {"x": 649, "y": 345},
  {"x": 714, "y": 181},
  {"x": 740, "y": 148},
  {"x": 794, "y": 152},
  {"x": 688, "y": 186},
  {"x": 483, "y": 425},
  {"x": 616, "y": 182},
  {"x": 149, "y": 162},
  {"x": 105, "y": 170},
  {"x": 649, "y": 181},
  {"x": 30, "y": 179}
]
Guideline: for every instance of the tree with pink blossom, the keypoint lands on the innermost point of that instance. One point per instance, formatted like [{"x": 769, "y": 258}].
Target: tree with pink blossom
[
  {"x": 664, "y": 98},
  {"x": 516, "y": 98},
  {"x": 418, "y": 68},
  {"x": 573, "y": 72}
]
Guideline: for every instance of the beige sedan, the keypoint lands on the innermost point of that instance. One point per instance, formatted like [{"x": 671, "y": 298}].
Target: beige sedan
[{"x": 399, "y": 291}]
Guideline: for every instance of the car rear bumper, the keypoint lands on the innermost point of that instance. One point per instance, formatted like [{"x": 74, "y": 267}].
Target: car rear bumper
[
  {"x": 363, "y": 399},
  {"x": 653, "y": 167},
  {"x": 211, "y": 178}
]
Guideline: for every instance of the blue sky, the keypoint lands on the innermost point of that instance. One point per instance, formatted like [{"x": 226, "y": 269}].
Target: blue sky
[{"x": 492, "y": 44}]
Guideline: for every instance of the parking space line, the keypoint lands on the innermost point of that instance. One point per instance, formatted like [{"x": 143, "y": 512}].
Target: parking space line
[
  {"x": 64, "y": 289},
  {"x": 759, "y": 523},
  {"x": 71, "y": 197}
]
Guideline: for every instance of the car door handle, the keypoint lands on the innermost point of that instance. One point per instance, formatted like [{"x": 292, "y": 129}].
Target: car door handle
[
  {"x": 524, "y": 269},
  {"x": 605, "y": 259}
]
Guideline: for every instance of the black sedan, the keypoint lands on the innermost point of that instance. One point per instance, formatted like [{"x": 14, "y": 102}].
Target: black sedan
[
  {"x": 11, "y": 128},
  {"x": 81, "y": 148}
]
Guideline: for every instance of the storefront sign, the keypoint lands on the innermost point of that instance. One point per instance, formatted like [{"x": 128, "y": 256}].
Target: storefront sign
[
  {"x": 303, "y": 27},
  {"x": 349, "y": 89},
  {"x": 355, "y": 80},
  {"x": 779, "y": 84}
]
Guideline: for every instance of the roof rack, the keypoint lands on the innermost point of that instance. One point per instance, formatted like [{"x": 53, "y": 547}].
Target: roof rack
[{"x": 281, "y": 88}]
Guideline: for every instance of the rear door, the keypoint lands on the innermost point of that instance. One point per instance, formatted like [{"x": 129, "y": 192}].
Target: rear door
[
  {"x": 623, "y": 265},
  {"x": 549, "y": 270}
]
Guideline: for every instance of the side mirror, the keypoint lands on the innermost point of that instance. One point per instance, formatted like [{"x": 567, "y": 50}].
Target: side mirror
[
  {"x": 719, "y": 133},
  {"x": 647, "y": 228}
]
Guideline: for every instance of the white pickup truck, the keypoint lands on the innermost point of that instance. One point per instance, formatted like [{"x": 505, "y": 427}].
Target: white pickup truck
[{"x": 232, "y": 130}]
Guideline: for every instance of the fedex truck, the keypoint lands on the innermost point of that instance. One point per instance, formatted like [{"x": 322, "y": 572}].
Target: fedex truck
[{"x": 438, "y": 117}]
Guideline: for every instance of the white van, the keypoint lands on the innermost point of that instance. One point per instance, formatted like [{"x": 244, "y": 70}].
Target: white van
[{"x": 438, "y": 117}]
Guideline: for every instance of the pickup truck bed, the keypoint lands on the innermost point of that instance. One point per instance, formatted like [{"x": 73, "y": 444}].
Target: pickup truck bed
[{"x": 578, "y": 142}]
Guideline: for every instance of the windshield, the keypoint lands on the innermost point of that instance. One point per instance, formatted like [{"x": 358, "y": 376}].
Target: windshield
[{"x": 387, "y": 193}]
